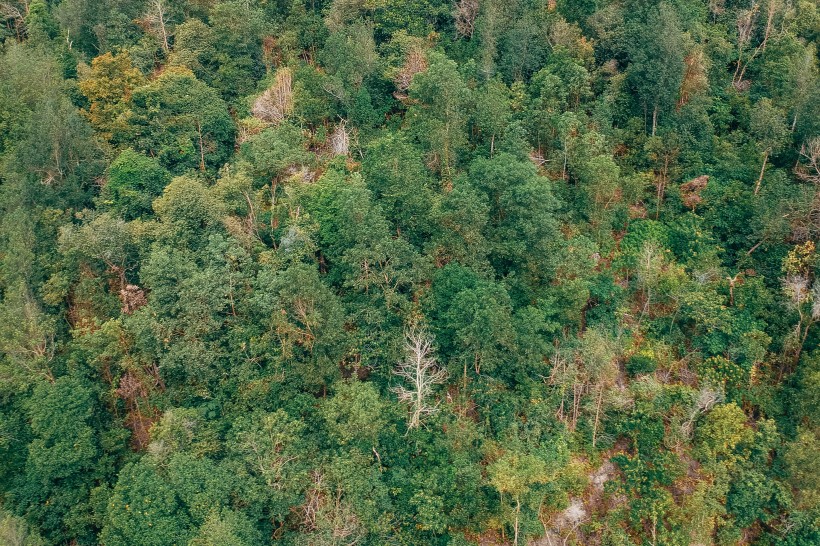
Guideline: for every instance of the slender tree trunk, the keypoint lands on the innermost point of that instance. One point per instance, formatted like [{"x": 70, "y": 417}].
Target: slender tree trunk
[
  {"x": 645, "y": 305},
  {"x": 201, "y": 147},
  {"x": 564, "y": 169},
  {"x": 561, "y": 406},
  {"x": 577, "y": 391},
  {"x": 654, "y": 119},
  {"x": 464, "y": 386},
  {"x": 737, "y": 68},
  {"x": 661, "y": 193},
  {"x": 645, "y": 116},
  {"x": 762, "y": 172},
  {"x": 762, "y": 47},
  {"x": 517, "y": 514},
  {"x": 161, "y": 17},
  {"x": 597, "y": 414},
  {"x": 802, "y": 340}
]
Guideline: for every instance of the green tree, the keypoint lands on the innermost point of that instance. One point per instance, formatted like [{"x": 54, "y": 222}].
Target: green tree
[
  {"x": 439, "y": 118},
  {"x": 65, "y": 461},
  {"x": 226, "y": 528},
  {"x": 656, "y": 52},
  {"x": 144, "y": 509},
  {"x": 269, "y": 456},
  {"x": 187, "y": 211},
  {"x": 394, "y": 172},
  {"x": 514, "y": 474},
  {"x": 521, "y": 228},
  {"x": 181, "y": 121},
  {"x": 350, "y": 57},
  {"x": 768, "y": 128},
  {"x": 303, "y": 322},
  {"x": 356, "y": 416},
  {"x": 134, "y": 181}
]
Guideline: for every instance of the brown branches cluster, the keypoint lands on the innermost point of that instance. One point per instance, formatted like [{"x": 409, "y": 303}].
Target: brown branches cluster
[
  {"x": 466, "y": 13},
  {"x": 276, "y": 103}
]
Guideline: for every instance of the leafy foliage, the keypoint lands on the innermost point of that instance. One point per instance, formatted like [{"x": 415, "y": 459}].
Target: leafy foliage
[{"x": 427, "y": 272}]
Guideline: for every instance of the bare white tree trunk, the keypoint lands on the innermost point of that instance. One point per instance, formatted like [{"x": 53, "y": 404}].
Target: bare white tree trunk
[
  {"x": 517, "y": 515},
  {"x": 155, "y": 22},
  {"x": 762, "y": 172},
  {"x": 161, "y": 19}
]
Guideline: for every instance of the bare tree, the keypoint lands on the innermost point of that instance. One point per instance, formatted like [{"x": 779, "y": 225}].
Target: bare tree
[
  {"x": 466, "y": 13},
  {"x": 746, "y": 26},
  {"x": 805, "y": 299},
  {"x": 415, "y": 63},
  {"x": 421, "y": 372},
  {"x": 13, "y": 16},
  {"x": 708, "y": 397},
  {"x": 808, "y": 167},
  {"x": 156, "y": 22},
  {"x": 276, "y": 103},
  {"x": 339, "y": 140}
]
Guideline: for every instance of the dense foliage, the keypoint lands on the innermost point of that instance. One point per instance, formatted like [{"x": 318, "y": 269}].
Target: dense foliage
[{"x": 409, "y": 272}]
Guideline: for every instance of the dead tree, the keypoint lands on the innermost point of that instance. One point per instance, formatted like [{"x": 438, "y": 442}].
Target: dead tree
[
  {"x": 466, "y": 13},
  {"x": 155, "y": 21},
  {"x": 421, "y": 373},
  {"x": 276, "y": 103}
]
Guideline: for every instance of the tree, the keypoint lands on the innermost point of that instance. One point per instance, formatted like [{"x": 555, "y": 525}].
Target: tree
[
  {"x": 438, "y": 120},
  {"x": 303, "y": 323},
  {"x": 108, "y": 85},
  {"x": 15, "y": 532},
  {"x": 350, "y": 57},
  {"x": 472, "y": 320},
  {"x": 493, "y": 113},
  {"x": 268, "y": 453},
  {"x": 134, "y": 181},
  {"x": 40, "y": 25},
  {"x": 656, "y": 52},
  {"x": 356, "y": 416},
  {"x": 394, "y": 172},
  {"x": 798, "y": 458},
  {"x": 144, "y": 509},
  {"x": 194, "y": 48},
  {"x": 521, "y": 227},
  {"x": 181, "y": 121},
  {"x": 748, "y": 29},
  {"x": 724, "y": 427},
  {"x": 226, "y": 528},
  {"x": 768, "y": 128},
  {"x": 514, "y": 474},
  {"x": 803, "y": 294},
  {"x": 65, "y": 460},
  {"x": 421, "y": 372},
  {"x": 599, "y": 353},
  {"x": 158, "y": 23},
  {"x": 237, "y": 30},
  {"x": 27, "y": 338},
  {"x": 275, "y": 153},
  {"x": 460, "y": 218},
  {"x": 187, "y": 212}
]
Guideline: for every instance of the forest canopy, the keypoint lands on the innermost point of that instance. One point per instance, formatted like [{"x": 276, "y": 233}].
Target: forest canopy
[{"x": 420, "y": 272}]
